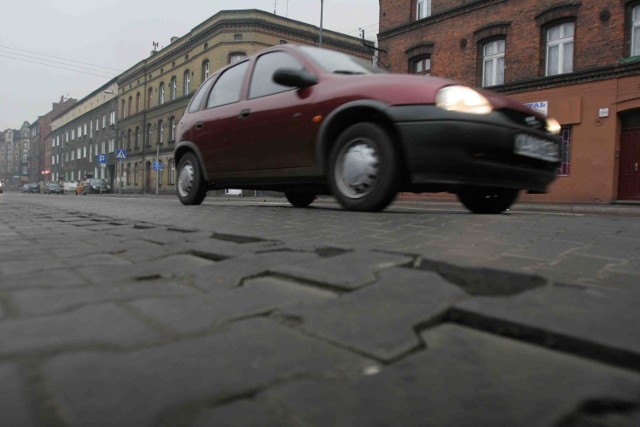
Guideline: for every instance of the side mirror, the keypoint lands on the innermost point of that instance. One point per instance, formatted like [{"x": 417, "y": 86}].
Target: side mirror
[{"x": 294, "y": 78}]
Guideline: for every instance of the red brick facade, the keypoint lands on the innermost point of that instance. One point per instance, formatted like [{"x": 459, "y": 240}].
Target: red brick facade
[{"x": 594, "y": 99}]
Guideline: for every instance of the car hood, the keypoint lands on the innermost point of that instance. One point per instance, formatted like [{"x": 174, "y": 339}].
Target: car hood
[{"x": 407, "y": 89}]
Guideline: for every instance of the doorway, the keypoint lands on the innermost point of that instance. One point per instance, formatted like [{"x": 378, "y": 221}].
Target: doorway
[{"x": 629, "y": 165}]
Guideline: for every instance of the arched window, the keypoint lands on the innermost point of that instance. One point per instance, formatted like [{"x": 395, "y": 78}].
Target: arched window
[
  {"x": 129, "y": 139},
  {"x": 173, "y": 88},
  {"x": 128, "y": 108},
  {"x": 421, "y": 65},
  {"x": 635, "y": 30},
  {"x": 160, "y": 132},
  {"x": 559, "y": 48},
  {"x": 236, "y": 56},
  {"x": 148, "y": 141},
  {"x": 128, "y": 174},
  {"x": 137, "y": 141},
  {"x": 161, "y": 94},
  {"x": 172, "y": 129},
  {"x": 138, "y": 102},
  {"x": 186, "y": 82},
  {"x": 149, "y": 97},
  {"x": 205, "y": 70},
  {"x": 493, "y": 62}
]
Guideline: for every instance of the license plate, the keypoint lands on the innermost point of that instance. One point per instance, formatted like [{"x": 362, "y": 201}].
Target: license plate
[{"x": 531, "y": 146}]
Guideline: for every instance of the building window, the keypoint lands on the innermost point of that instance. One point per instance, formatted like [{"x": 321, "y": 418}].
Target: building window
[
  {"x": 160, "y": 132},
  {"x": 186, "y": 82},
  {"x": 236, "y": 56},
  {"x": 129, "y": 139},
  {"x": 172, "y": 172},
  {"x": 173, "y": 88},
  {"x": 635, "y": 31},
  {"x": 423, "y": 9},
  {"x": 421, "y": 65},
  {"x": 493, "y": 63},
  {"x": 138, "y": 102},
  {"x": 149, "y": 97},
  {"x": 148, "y": 141},
  {"x": 172, "y": 129},
  {"x": 128, "y": 173},
  {"x": 565, "y": 151},
  {"x": 205, "y": 69},
  {"x": 137, "y": 140},
  {"x": 161, "y": 94},
  {"x": 121, "y": 109},
  {"x": 135, "y": 174},
  {"x": 560, "y": 49},
  {"x": 237, "y": 37}
]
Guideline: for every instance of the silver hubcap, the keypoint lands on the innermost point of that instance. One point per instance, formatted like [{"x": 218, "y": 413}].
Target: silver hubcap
[
  {"x": 185, "y": 180},
  {"x": 357, "y": 167}
]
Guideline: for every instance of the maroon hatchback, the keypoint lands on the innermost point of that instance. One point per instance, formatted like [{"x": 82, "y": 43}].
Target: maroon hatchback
[{"x": 309, "y": 121}]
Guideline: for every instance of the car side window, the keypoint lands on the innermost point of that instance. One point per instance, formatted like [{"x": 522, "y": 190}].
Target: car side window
[
  {"x": 196, "y": 101},
  {"x": 262, "y": 80},
  {"x": 227, "y": 89}
]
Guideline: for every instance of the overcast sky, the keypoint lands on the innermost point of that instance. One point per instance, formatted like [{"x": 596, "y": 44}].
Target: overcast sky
[{"x": 50, "y": 48}]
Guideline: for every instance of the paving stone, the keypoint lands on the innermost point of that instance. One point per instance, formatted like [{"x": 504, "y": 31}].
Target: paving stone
[
  {"x": 599, "y": 323},
  {"x": 349, "y": 271},
  {"x": 16, "y": 408},
  {"x": 231, "y": 272},
  {"x": 256, "y": 296},
  {"x": 46, "y": 301},
  {"x": 167, "y": 268},
  {"x": 142, "y": 388},
  {"x": 104, "y": 324},
  {"x": 464, "y": 378},
  {"x": 379, "y": 319},
  {"x": 53, "y": 278},
  {"x": 220, "y": 249}
]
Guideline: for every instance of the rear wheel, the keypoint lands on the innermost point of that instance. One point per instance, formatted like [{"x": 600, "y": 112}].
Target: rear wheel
[
  {"x": 191, "y": 188},
  {"x": 364, "y": 168},
  {"x": 481, "y": 200},
  {"x": 300, "y": 200}
]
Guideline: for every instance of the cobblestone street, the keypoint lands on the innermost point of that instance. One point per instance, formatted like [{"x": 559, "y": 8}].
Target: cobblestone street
[{"x": 131, "y": 310}]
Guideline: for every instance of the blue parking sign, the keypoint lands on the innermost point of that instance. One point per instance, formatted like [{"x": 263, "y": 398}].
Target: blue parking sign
[{"x": 102, "y": 159}]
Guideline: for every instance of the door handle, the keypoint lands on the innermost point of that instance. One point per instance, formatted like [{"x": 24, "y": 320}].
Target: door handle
[
  {"x": 245, "y": 113},
  {"x": 199, "y": 125}
]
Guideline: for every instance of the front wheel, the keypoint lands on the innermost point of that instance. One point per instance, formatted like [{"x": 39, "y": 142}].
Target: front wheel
[
  {"x": 300, "y": 200},
  {"x": 364, "y": 168},
  {"x": 190, "y": 187},
  {"x": 482, "y": 200}
]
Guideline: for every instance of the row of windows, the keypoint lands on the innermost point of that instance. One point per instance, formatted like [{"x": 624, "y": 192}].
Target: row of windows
[
  {"x": 134, "y": 136},
  {"x": 86, "y": 129},
  {"x": 138, "y": 169},
  {"x": 171, "y": 93},
  {"x": 559, "y": 50}
]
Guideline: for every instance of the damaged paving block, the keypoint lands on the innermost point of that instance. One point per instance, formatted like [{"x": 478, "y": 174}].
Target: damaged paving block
[
  {"x": 463, "y": 378},
  {"x": 595, "y": 322},
  {"x": 256, "y": 296},
  {"x": 230, "y": 272},
  {"x": 379, "y": 320},
  {"x": 140, "y": 388},
  {"x": 349, "y": 271}
]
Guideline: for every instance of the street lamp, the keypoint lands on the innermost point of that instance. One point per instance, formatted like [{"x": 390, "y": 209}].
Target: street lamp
[{"x": 321, "y": 15}]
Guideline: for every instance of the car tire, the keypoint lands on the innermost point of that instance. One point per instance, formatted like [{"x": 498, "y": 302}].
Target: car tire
[
  {"x": 190, "y": 188},
  {"x": 300, "y": 200},
  {"x": 481, "y": 200},
  {"x": 364, "y": 168}
]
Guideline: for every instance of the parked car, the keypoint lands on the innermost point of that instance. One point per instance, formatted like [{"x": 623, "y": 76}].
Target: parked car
[
  {"x": 309, "y": 121},
  {"x": 53, "y": 188},
  {"x": 32, "y": 187},
  {"x": 93, "y": 186}
]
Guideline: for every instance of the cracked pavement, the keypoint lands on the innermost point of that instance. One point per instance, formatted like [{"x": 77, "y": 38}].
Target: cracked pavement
[{"x": 139, "y": 311}]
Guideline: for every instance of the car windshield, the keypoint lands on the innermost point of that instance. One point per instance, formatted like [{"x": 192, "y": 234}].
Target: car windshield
[{"x": 340, "y": 63}]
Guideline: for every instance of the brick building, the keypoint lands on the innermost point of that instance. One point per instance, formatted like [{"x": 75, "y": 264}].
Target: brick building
[
  {"x": 579, "y": 61},
  {"x": 153, "y": 94},
  {"x": 14, "y": 155}
]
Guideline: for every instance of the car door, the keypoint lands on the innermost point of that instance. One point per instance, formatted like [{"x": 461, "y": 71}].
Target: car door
[
  {"x": 275, "y": 122},
  {"x": 215, "y": 125}
]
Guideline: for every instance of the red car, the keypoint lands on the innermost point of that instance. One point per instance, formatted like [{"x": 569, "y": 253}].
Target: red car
[{"x": 309, "y": 121}]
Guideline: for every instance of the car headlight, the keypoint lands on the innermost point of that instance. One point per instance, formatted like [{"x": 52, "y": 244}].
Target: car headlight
[
  {"x": 462, "y": 99},
  {"x": 553, "y": 126}
]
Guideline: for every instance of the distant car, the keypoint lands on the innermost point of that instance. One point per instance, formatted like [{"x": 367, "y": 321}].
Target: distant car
[
  {"x": 309, "y": 121},
  {"x": 53, "y": 188},
  {"x": 30, "y": 188},
  {"x": 94, "y": 186},
  {"x": 1, "y": 190}
]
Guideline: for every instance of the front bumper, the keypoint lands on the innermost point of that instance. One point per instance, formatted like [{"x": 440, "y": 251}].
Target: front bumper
[{"x": 446, "y": 150}]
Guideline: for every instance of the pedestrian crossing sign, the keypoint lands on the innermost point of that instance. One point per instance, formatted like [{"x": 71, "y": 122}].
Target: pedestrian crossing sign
[{"x": 121, "y": 154}]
